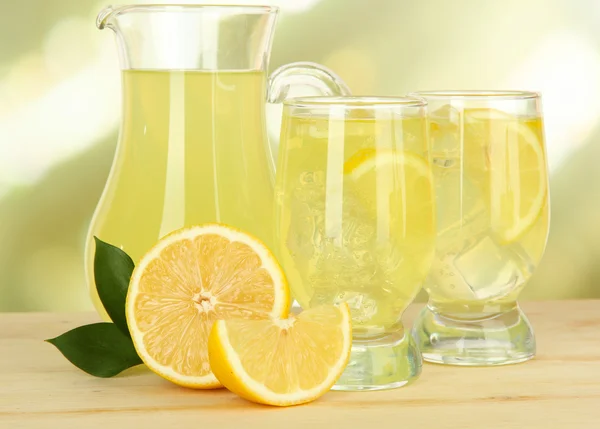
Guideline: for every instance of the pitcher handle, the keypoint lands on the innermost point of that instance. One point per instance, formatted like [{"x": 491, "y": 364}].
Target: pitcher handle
[
  {"x": 301, "y": 73},
  {"x": 304, "y": 73}
]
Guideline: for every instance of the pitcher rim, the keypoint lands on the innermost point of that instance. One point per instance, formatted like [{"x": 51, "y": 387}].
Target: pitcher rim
[{"x": 111, "y": 11}]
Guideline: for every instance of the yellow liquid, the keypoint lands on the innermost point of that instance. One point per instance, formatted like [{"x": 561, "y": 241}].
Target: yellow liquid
[
  {"x": 483, "y": 186},
  {"x": 192, "y": 149},
  {"x": 335, "y": 242}
]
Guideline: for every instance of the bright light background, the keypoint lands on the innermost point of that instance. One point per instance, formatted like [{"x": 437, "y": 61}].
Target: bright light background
[{"x": 60, "y": 95}]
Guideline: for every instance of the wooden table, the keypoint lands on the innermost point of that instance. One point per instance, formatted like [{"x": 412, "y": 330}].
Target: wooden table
[{"x": 559, "y": 389}]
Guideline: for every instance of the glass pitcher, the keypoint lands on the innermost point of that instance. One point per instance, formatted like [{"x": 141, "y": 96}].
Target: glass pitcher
[{"x": 193, "y": 145}]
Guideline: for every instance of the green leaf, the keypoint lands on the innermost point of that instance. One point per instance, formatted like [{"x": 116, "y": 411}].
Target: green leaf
[
  {"x": 112, "y": 271},
  {"x": 100, "y": 349}
]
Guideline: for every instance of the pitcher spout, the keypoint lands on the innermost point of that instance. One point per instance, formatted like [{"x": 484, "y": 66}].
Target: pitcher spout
[{"x": 104, "y": 17}]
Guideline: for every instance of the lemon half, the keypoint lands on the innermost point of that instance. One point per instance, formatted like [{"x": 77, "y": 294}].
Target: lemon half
[{"x": 186, "y": 282}]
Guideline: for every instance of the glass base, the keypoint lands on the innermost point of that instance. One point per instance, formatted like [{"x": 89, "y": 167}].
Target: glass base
[
  {"x": 500, "y": 338},
  {"x": 382, "y": 363}
]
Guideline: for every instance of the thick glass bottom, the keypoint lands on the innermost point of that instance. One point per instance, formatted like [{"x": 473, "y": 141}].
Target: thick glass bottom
[
  {"x": 499, "y": 338},
  {"x": 387, "y": 362}
]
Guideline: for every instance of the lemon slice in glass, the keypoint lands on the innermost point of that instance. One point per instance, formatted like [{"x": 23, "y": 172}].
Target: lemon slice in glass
[
  {"x": 396, "y": 187},
  {"x": 506, "y": 155}
]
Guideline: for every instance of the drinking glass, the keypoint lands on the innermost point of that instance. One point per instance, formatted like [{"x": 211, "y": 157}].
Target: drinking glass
[
  {"x": 491, "y": 183},
  {"x": 355, "y": 222}
]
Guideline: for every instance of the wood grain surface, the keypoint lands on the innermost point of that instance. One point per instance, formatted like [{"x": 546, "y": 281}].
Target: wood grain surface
[{"x": 560, "y": 388}]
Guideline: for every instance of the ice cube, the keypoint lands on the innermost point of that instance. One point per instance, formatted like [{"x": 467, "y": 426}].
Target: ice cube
[
  {"x": 445, "y": 116},
  {"x": 362, "y": 307},
  {"x": 491, "y": 270},
  {"x": 444, "y": 129},
  {"x": 462, "y": 215},
  {"x": 307, "y": 210},
  {"x": 350, "y": 265},
  {"x": 446, "y": 282}
]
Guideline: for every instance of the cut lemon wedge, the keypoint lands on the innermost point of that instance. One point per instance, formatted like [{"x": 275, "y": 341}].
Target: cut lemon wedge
[
  {"x": 505, "y": 154},
  {"x": 282, "y": 361},
  {"x": 191, "y": 278}
]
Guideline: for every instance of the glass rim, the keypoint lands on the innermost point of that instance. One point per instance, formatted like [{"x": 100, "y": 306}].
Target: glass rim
[
  {"x": 355, "y": 102},
  {"x": 168, "y": 7},
  {"x": 474, "y": 94}
]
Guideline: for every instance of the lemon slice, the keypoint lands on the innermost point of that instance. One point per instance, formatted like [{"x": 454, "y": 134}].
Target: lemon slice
[
  {"x": 366, "y": 161},
  {"x": 191, "y": 278},
  {"x": 510, "y": 152},
  {"x": 377, "y": 174},
  {"x": 282, "y": 361},
  {"x": 397, "y": 188}
]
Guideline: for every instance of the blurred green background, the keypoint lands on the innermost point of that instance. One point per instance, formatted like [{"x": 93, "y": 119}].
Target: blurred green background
[{"x": 60, "y": 109}]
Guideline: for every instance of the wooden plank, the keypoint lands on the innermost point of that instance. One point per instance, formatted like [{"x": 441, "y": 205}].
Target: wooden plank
[{"x": 559, "y": 389}]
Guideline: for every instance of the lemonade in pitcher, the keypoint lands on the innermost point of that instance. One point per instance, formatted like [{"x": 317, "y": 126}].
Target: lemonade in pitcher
[{"x": 183, "y": 135}]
